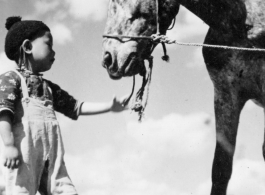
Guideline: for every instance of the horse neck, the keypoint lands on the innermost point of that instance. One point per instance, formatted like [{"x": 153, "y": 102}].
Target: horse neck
[{"x": 224, "y": 15}]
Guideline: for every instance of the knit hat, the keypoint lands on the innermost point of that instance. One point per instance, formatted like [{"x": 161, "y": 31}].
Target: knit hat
[{"x": 18, "y": 31}]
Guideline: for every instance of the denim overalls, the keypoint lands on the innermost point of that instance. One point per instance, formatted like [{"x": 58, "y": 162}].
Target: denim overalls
[{"x": 38, "y": 138}]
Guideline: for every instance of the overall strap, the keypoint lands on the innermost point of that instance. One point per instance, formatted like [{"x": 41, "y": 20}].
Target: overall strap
[{"x": 23, "y": 85}]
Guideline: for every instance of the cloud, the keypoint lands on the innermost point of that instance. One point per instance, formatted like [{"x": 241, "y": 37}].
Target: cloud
[
  {"x": 79, "y": 9},
  {"x": 197, "y": 60},
  {"x": 146, "y": 160},
  {"x": 5, "y": 63},
  {"x": 61, "y": 33},
  {"x": 186, "y": 132},
  {"x": 247, "y": 178},
  {"x": 42, "y": 7},
  {"x": 66, "y": 124},
  {"x": 55, "y": 15},
  {"x": 101, "y": 174},
  {"x": 91, "y": 10},
  {"x": 65, "y": 15},
  {"x": 2, "y": 182}
]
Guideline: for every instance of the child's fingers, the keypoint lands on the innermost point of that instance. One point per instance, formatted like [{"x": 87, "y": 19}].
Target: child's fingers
[
  {"x": 12, "y": 164},
  {"x": 114, "y": 99},
  {"x": 17, "y": 163},
  {"x": 125, "y": 99},
  {"x": 7, "y": 164},
  {"x": 126, "y": 107}
]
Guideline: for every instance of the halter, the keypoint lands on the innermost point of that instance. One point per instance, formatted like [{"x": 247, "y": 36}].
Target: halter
[{"x": 154, "y": 39}]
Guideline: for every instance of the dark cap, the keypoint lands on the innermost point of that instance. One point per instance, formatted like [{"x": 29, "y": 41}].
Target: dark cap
[{"x": 18, "y": 31}]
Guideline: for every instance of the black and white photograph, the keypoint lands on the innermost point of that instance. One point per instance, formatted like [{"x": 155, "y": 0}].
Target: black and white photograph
[{"x": 132, "y": 97}]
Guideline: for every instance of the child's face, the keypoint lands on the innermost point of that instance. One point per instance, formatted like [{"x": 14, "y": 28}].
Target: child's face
[{"x": 42, "y": 53}]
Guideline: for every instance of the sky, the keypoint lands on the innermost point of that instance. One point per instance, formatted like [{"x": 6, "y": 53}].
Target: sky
[{"x": 171, "y": 150}]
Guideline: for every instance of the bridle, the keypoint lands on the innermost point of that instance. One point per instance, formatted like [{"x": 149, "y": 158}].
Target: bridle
[{"x": 155, "y": 40}]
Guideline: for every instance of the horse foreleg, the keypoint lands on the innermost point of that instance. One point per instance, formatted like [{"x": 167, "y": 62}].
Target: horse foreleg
[{"x": 227, "y": 111}]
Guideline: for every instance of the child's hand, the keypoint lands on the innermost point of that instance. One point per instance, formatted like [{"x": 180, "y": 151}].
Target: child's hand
[
  {"x": 11, "y": 157},
  {"x": 119, "y": 105}
]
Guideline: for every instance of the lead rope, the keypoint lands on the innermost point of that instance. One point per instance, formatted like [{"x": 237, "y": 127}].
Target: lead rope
[
  {"x": 128, "y": 99},
  {"x": 139, "y": 103},
  {"x": 164, "y": 39}
]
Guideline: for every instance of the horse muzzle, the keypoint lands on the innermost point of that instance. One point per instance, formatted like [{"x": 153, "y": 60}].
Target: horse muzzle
[{"x": 125, "y": 66}]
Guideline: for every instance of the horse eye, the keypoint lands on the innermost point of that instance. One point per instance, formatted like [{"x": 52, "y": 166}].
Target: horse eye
[{"x": 248, "y": 27}]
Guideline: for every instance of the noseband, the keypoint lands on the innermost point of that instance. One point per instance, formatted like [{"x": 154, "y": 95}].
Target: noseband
[{"x": 154, "y": 39}]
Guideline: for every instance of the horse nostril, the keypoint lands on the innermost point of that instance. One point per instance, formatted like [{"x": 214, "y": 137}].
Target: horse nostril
[{"x": 107, "y": 59}]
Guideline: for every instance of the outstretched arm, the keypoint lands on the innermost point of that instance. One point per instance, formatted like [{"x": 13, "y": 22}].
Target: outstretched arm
[
  {"x": 115, "y": 105},
  {"x": 11, "y": 157}
]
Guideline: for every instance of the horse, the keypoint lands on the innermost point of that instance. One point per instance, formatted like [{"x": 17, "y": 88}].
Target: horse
[{"x": 237, "y": 75}]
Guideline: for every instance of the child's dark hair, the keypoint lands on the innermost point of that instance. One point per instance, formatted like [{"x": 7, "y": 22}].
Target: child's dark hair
[{"x": 18, "y": 31}]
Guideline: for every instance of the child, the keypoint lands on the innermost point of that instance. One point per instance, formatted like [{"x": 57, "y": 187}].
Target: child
[{"x": 33, "y": 149}]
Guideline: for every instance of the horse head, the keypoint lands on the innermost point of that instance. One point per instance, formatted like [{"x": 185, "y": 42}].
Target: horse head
[{"x": 130, "y": 23}]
